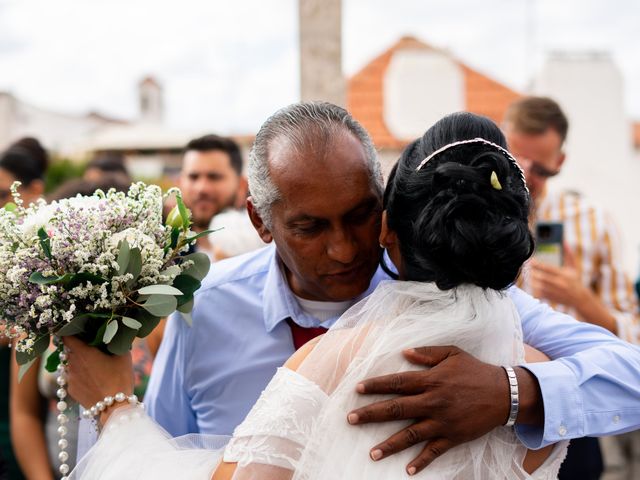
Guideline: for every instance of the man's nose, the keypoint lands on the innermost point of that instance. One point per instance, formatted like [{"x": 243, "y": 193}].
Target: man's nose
[{"x": 342, "y": 246}]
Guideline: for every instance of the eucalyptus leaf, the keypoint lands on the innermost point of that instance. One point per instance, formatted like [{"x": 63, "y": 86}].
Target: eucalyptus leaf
[
  {"x": 45, "y": 242},
  {"x": 159, "y": 290},
  {"x": 200, "y": 267},
  {"x": 121, "y": 343},
  {"x": 149, "y": 322},
  {"x": 75, "y": 326},
  {"x": 160, "y": 305},
  {"x": 110, "y": 331},
  {"x": 24, "y": 368},
  {"x": 37, "y": 277},
  {"x": 131, "y": 323},
  {"x": 187, "y": 285},
  {"x": 82, "y": 278},
  {"x": 39, "y": 347},
  {"x": 123, "y": 256},
  {"x": 187, "y": 318},
  {"x": 172, "y": 271},
  {"x": 53, "y": 360},
  {"x": 186, "y": 307},
  {"x": 135, "y": 265},
  {"x": 98, "y": 339}
]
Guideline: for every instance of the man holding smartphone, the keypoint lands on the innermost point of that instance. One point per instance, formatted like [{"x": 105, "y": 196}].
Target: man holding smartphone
[{"x": 579, "y": 268}]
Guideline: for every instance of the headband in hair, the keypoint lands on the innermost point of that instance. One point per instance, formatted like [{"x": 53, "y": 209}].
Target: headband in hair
[{"x": 502, "y": 150}]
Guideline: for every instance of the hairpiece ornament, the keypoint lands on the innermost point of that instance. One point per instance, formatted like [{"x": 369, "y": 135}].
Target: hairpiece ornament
[
  {"x": 502, "y": 150},
  {"x": 495, "y": 183}
]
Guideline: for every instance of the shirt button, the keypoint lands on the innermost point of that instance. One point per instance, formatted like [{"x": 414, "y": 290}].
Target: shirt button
[
  {"x": 616, "y": 419},
  {"x": 562, "y": 430}
]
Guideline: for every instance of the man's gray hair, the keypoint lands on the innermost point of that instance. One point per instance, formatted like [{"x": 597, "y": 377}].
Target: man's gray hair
[{"x": 298, "y": 124}]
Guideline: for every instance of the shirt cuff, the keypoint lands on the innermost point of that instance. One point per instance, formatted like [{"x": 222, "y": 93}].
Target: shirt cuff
[{"x": 563, "y": 407}]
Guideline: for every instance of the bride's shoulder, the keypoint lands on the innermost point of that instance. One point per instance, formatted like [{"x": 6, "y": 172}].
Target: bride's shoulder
[{"x": 301, "y": 354}]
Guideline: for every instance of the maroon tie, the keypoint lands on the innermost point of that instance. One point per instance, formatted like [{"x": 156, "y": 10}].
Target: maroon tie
[{"x": 302, "y": 335}]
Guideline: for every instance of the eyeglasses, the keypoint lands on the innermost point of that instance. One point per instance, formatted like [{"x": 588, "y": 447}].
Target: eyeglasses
[{"x": 532, "y": 168}]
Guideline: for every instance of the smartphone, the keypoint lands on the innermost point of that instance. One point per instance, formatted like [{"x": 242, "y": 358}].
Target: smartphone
[{"x": 549, "y": 243}]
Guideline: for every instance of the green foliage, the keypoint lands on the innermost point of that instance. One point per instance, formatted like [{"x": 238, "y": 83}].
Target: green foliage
[{"x": 60, "y": 170}]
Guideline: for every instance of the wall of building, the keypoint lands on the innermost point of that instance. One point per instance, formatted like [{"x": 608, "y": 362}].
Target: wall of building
[{"x": 600, "y": 161}]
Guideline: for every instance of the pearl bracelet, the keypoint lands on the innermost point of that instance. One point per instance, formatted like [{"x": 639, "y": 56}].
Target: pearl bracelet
[
  {"x": 514, "y": 396},
  {"x": 108, "y": 401}
]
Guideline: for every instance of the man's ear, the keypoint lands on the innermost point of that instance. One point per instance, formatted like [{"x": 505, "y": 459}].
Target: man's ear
[
  {"x": 258, "y": 224},
  {"x": 561, "y": 160}
]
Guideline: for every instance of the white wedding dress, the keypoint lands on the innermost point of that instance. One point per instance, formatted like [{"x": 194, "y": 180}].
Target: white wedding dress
[{"x": 298, "y": 428}]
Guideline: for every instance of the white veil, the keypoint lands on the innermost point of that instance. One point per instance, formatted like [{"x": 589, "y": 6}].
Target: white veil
[{"x": 298, "y": 427}]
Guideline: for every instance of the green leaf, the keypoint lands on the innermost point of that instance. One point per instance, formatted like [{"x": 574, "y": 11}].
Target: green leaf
[
  {"x": 45, "y": 242},
  {"x": 123, "y": 256},
  {"x": 160, "y": 305},
  {"x": 75, "y": 326},
  {"x": 159, "y": 290},
  {"x": 187, "y": 285},
  {"x": 184, "y": 213},
  {"x": 187, "y": 318},
  {"x": 202, "y": 234},
  {"x": 200, "y": 267},
  {"x": 98, "y": 339},
  {"x": 149, "y": 322},
  {"x": 53, "y": 361},
  {"x": 175, "y": 234},
  {"x": 121, "y": 343},
  {"x": 82, "y": 278},
  {"x": 10, "y": 207},
  {"x": 24, "y": 368},
  {"x": 110, "y": 331},
  {"x": 131, "y": 323},
  {"x": 37, "y": 277},
  {"x": 186, "y": 307},
  {"x": 39, "y": 347},
  {"x": 135, "y": 265},
  {"x": 172, "y": 271}
]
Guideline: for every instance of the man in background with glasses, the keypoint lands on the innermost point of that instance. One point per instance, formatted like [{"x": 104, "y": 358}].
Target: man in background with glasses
[{"x": 589, "y": 283}]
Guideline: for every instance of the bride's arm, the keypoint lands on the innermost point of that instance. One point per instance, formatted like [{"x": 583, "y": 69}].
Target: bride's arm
[{"x": 226, "y": 470}]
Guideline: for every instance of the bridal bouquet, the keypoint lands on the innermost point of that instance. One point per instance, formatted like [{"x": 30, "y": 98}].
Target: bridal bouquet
[{"x": 103, "y": 267}]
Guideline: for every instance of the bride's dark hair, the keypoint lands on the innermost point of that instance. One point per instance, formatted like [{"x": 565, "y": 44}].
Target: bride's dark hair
[{"x": 453, "y": 226}]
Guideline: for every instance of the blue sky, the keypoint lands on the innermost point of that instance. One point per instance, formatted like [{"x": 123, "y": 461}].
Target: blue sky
[{"x": 227, "y": 65}]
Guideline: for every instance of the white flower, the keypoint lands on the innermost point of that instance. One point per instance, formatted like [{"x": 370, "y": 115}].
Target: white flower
[{"x": 38, "y": 219}]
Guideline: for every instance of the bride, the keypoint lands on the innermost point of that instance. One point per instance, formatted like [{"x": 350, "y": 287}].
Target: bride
[{"x": 455, "y": 226}]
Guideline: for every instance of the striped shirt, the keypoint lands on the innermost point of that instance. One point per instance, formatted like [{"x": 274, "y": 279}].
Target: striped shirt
[{"x": 592, "y": 237}]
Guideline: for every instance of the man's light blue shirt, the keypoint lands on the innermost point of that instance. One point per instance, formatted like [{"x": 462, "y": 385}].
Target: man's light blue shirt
[{"x": 207, "y": 377}]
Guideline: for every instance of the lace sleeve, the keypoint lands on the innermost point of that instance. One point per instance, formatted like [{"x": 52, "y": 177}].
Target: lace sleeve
[{"x": 277, "y": 427}]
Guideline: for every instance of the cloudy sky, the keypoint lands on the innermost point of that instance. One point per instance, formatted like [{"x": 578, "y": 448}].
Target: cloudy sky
[{"x": 226, "y": 65}]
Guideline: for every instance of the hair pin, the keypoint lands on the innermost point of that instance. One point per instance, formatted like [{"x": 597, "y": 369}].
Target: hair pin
[{"x": 495, "y": 183}]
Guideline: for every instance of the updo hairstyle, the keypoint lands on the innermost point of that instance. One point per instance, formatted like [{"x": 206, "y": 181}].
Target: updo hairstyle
[{"x": 453, "y": 224}]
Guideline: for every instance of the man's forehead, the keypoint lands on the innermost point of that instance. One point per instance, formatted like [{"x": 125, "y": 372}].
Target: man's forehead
[
  {"x": 196, "y": 161},
  {"x": 312, "y": 151}
]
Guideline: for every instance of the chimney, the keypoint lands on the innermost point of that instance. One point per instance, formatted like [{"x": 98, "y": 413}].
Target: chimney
[
  {"x": 321, "y": 51},
  {"x": 151, "y": 105}
]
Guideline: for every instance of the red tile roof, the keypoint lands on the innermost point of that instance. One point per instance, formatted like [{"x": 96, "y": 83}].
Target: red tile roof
[{"x": 365, "y": 89}]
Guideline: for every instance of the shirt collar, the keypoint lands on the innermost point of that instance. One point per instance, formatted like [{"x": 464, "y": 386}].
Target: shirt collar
[{"x": 279, "y": 303}]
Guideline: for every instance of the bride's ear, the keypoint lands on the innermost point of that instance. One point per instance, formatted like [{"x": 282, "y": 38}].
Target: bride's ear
[{"x": 388, "y": 238}]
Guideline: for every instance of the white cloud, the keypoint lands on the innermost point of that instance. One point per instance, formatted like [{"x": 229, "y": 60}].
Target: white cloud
[{"x": 227, "y": 65}]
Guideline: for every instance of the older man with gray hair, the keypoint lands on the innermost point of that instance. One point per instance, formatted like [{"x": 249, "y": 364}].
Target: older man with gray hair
[{"x": 316, "y": 197}]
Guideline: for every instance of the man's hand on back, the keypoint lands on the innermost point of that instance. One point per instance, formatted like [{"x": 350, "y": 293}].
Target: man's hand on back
[{"x": 457, "y": 400}]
